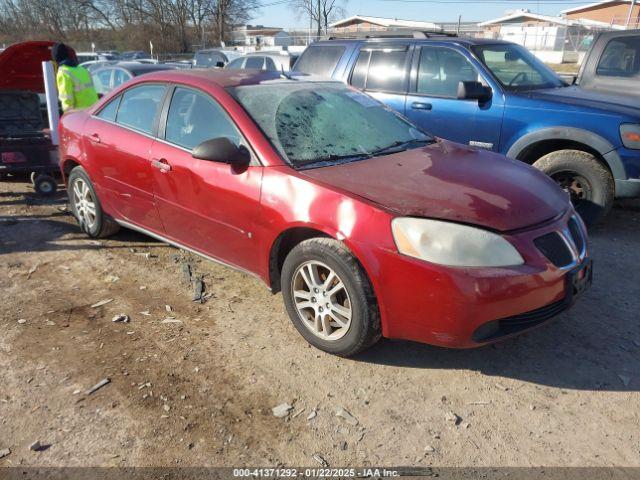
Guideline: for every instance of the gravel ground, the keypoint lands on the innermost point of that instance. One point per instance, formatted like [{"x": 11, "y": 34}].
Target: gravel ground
[{"x": 194, "y": 384}]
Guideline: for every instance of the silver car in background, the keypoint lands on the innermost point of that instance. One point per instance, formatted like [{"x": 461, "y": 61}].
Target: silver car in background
[{"x": 271, "y": 61}]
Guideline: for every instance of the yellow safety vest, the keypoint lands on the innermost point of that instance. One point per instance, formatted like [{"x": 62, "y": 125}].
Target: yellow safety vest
[{"x": 75, "y": 88}]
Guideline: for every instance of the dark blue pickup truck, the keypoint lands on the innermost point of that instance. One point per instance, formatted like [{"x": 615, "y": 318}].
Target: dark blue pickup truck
[{"x": 496, "y": 95}]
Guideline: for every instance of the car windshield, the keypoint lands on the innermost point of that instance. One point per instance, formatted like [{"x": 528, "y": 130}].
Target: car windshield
[
  {"x": 516, "y": 68},
  {"x": 319, "y": 124}
]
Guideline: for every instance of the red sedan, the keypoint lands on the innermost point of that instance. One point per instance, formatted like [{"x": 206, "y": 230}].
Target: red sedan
[{"x": 369, "y": 226}]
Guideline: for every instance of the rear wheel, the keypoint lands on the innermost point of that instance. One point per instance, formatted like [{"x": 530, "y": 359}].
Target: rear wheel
[
  {"x": 588, "y": 182},
  {"x": 86, "y": 207},
  {"x": 329, "y": 297}
]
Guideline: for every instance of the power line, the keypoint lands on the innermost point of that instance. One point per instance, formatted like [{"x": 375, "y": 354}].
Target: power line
[{"x": 487, "y": 2}]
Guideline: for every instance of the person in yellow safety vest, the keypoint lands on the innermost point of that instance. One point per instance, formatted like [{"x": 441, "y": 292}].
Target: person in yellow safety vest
[{"x": 75, "y": 87}]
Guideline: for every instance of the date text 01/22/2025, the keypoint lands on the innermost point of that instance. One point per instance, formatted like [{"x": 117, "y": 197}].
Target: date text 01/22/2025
[{"x": 314, "y": 472}]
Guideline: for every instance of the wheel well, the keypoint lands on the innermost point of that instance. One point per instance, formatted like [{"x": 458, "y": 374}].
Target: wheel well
[
  {"x": 67, "y": 166},
  {"x": 537, "y": 150},
  {"x": 285, "y": 242}
]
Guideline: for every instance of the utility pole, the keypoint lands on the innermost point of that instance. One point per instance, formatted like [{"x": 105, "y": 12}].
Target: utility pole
[
  {"x": 631, "y": 8},
  {"x": 310, "y": 21},
  {"x": 459, "y": 22}
]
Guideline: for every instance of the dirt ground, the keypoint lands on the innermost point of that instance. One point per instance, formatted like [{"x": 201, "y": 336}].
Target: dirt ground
[{"x": 195, "y": 386}]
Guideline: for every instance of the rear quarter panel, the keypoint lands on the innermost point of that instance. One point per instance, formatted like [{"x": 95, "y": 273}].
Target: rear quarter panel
[{"x": 71, "y": 143}]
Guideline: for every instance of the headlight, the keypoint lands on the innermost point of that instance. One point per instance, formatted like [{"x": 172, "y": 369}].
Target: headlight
[
  {"x": 452, "y": 244},
  {"x": 630, "y": 133}
]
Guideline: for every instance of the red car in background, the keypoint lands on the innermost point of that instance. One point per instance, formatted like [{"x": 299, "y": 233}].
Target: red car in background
[{"x": 369, "y": 226}]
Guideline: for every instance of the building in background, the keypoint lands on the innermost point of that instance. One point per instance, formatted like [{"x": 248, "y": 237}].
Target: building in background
[
  {"x": 258, "y": 36},
  {"x": 361, "y": 23},
  {"x": 565, "y": 38},
  {"x": 616, "y": 13},
  {"x": 544, "y": 35}
]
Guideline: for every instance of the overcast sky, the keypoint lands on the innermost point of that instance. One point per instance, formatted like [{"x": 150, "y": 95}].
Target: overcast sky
[{"x": 475, "y": 10}]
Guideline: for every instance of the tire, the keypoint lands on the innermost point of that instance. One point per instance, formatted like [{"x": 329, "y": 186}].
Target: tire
[
  {"x": 98, "y": 225},
  {"x": 45, "y": 185},
  {"x": 588, "y": 181},
  {"x": 329, "y": 255}
]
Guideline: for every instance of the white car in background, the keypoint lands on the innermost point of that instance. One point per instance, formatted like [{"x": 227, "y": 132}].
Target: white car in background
[
  {"x": 271, "y": 61},
  {"x": 84, "y": 57}
]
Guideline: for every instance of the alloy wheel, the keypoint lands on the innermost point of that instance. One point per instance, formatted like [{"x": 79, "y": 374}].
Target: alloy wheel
[
  {"x": 84, "y": 204},
  {"x": 321, "y": 300}
]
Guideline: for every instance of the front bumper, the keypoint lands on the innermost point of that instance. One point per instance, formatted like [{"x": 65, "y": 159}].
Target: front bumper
[
  {"x": 628, "y": 185},
  {"x": 470, "y": 307},
  {"x": 628, "y": 188}
]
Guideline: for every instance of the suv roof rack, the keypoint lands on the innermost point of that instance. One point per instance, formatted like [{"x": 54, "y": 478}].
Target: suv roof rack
[{"x": 398, "y": 33}]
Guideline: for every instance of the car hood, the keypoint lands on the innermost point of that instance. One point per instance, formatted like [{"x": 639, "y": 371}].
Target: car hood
[
  {"x": 452, "y": 182},
  {"x": 574, "y": 96}
]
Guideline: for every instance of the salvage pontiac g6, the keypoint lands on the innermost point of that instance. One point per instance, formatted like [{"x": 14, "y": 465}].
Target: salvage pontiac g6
[{"x": 369, "y": 226}]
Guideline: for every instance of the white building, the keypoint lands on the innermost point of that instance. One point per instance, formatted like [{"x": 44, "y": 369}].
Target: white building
[
  {"x": 358, "y": 23},
  {"x": 260, "y": 36}
]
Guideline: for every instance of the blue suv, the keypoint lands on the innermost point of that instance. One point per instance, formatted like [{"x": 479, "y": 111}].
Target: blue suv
[{"x": 497, "y": 96}]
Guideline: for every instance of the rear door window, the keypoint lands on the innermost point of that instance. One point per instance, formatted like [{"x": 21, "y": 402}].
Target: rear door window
[
  {"x": 621, "y": 58},
  {"x": 321, "y": 60},
  {"x": 383, "y": 69},
  {"x": 139, "y": 107}
]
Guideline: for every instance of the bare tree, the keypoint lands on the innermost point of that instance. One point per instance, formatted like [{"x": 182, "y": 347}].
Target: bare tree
[
  {"x": 228, "y": 13},
  {"x": 172, "y": 25},
  {"x": 320, "y": 12},
  {"x": 332, "y": 10}
]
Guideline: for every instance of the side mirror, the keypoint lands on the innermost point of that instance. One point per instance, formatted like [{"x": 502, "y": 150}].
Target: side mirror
[
  {"x": 223, "y": 150},
  {"x": 474, "y": 91},
  {"x": 220, "y": 64}
]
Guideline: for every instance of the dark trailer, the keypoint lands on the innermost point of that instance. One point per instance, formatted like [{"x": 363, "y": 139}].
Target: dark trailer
[{"x": 25, "y": 140}]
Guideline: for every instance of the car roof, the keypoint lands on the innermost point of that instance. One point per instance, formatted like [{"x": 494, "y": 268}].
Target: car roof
[
  {"x": 218, "y": 49},
  {"x": 268, "y": 53},
  {"x": 619, "y": 33},
  {"x": 461, "y": 40},
  {"x": 136, "y": 68},
  {"x": 231, "y": 78}
]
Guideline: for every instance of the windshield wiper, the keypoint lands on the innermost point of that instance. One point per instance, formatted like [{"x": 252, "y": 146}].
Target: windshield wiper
[
  {"x": 395, "y": 147},
  {"x": 333, "y": 160},
  {"x": 399, "y": 146}
]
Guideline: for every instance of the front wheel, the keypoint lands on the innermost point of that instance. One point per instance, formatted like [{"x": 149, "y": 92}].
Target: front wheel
[
  {"x": 86, "y": 207},
  {"x": 588, "y": 182},
  {"x": 329, "y": 297}
]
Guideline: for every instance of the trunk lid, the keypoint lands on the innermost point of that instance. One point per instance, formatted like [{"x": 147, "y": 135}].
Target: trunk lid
[{"x": 21, "y": 66}]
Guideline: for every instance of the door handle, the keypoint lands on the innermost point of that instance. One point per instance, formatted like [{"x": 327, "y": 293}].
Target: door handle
[
  {"x": 161, "y": 164},
  {"x": 421, "y": 106},
  {"x": 95, "y": 138}
]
